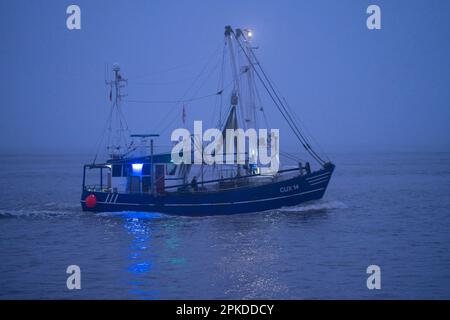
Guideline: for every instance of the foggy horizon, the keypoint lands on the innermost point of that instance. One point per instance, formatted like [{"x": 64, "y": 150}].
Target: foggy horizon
[{"x": 354, "y": 89}]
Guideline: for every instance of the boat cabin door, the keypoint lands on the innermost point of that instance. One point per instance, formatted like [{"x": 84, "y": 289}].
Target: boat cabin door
[{"x": 160, "y": 170}]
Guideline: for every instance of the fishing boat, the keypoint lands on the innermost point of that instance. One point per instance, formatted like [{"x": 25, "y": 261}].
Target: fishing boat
[{"x": 137, "y": 178}]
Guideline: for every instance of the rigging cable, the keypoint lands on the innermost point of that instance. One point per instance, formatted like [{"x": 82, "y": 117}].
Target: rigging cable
[
  {"x": 302, "y": 126},
  {"x": 174, "y": 101},
  {"x": 218, "y": 93},
  {"x": 202, "y": 71},
  {"x": 285, "y": 114},
  {"x": 192, "y": 62},
  {"x": 305, "y": 141}
]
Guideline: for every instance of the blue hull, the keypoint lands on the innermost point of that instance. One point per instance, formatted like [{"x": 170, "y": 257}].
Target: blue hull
[{"x": 289, "y": 192}]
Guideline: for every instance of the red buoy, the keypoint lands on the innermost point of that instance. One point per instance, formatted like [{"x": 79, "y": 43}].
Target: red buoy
[{"x": 91, "y": 201}]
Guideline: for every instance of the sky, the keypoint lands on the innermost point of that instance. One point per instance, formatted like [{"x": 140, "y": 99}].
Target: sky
[{"x": 354, "y": 89}]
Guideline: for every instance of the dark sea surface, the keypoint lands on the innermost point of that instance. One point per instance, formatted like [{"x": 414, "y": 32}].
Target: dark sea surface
[{"x": 387, "y": 209}]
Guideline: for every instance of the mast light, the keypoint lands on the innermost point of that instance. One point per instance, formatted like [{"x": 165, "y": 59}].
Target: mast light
[{"x": 248, "y": 33}]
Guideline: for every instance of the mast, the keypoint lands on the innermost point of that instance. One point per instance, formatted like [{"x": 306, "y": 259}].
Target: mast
[
  {"x": 117, "y": 126},
  {"x": 236, "y": 92},
  {"x": 241, "y": 68},
  {"x": 231, "y": 122},
  {"x": 234, "y": 68},
  {"x": 249, "y": 107}
]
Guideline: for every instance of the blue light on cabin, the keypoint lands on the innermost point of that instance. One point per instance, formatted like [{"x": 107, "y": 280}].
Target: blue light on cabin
[{"x": 137, "y": 168}]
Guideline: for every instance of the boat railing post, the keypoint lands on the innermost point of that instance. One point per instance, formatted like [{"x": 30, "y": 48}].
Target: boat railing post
[
  {"x": 307, "y": 168},
  {"x": 101, "y": 179},
  {"x": 84, "y": 177},
  {"x": 300, "y": 168}
]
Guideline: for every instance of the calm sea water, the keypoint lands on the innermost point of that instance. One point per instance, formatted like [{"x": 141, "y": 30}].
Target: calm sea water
[{"x": 392, "y": 210}]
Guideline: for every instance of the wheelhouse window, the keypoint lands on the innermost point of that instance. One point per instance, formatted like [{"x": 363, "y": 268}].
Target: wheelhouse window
[
  {"x": 146, "y": 170},
  {"x": 171, "y": 168},
  {"x": 117, "y": 170}
]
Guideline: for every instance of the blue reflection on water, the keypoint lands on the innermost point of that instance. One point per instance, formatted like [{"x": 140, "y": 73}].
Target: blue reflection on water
[
  {"x": 140, "y": 267},
  {"x": 153, "y": 252},
  {"x": 141, "y": 227}
]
